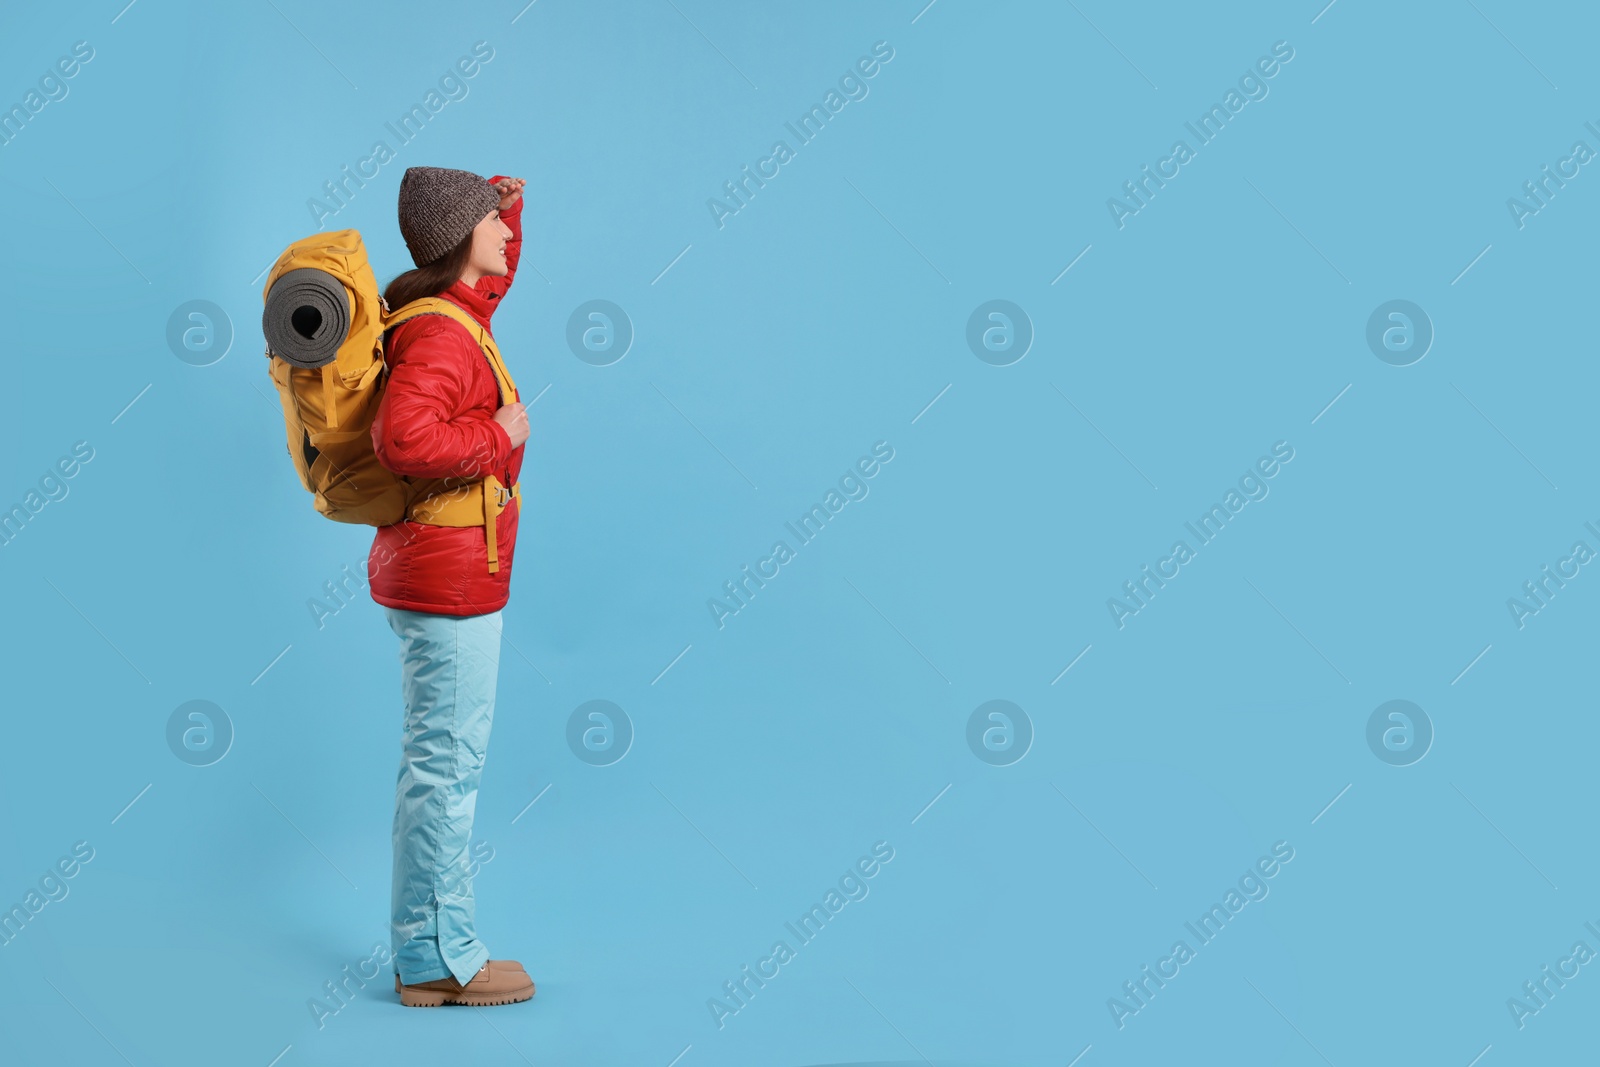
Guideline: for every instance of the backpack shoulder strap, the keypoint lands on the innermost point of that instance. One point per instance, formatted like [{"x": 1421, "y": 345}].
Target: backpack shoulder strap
[{"x": 434, "y": 305}]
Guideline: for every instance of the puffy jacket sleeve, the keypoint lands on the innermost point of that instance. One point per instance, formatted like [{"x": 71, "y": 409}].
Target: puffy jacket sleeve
[
  {"x": 428, "y": 425},
  {"x": 512, "y": 217}
]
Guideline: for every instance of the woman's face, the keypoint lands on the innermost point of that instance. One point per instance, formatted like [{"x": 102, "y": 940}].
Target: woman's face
[{"x": 488, "y": 259}]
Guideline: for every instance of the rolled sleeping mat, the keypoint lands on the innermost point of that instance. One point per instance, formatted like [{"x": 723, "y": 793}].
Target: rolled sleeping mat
[{"x": 307, "y": 317}]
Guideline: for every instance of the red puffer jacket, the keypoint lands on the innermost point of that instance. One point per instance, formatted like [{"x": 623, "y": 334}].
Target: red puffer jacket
[{"x": 436, "y": 420}]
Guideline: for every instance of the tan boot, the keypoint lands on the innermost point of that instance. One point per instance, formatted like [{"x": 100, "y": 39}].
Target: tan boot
[{"x": 498, "y": 982}]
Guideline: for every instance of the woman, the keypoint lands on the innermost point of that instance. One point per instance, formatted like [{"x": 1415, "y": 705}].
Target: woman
[{"x": 442, "y": 416}]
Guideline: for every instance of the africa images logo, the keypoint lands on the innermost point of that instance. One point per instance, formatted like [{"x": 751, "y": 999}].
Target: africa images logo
[
  {"x": 1252, "y": 486},
  {"x": 453, "y": 87},
  {"x": 1205, "y": 129},
  {"x": 1251, "y": 887},
  {"x": 851, "y": 887},
  {"x": 852, "y": 486},
  {"x": 852, "y": 87}
]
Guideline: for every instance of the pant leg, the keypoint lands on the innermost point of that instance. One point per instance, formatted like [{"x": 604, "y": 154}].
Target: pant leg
[{"x": 449, "y": 667}]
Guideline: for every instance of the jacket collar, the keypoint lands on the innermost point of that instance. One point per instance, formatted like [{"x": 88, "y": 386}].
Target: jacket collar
[{"x": 475, "y": 300}]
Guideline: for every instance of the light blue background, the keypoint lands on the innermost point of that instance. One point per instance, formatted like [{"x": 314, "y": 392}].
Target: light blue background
[{"x": 827, "y": 715}]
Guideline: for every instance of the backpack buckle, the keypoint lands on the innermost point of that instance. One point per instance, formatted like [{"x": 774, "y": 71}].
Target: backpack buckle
[{"x": 502, "y": 495}]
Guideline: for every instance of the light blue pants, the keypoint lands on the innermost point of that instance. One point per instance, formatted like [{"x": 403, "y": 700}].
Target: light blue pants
[{"x": 449, "y": 665}]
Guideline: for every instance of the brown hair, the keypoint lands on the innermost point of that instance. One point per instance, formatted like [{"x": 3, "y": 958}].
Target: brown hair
[{"x": 430, "y": 279}]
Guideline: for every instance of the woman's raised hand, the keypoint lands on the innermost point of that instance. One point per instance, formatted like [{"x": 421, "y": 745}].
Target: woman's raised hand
[{"x": 510, "y": 190}]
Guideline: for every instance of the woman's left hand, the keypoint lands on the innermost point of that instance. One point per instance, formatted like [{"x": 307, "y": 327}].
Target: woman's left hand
[{"x": 510, "y": 190}]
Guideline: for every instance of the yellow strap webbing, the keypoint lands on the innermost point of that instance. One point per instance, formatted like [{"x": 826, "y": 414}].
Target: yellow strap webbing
[{"x": 330, "y": 407}]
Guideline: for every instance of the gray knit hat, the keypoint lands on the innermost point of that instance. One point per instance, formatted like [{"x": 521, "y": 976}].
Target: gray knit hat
[{"x": 439, "y": 207}]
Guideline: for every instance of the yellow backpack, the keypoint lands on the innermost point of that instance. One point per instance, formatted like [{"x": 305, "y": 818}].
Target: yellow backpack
[{"x": 324, "y": 321}]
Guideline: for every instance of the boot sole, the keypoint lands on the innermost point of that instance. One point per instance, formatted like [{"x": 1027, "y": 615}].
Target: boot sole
[{"x": 422, "y": 998}]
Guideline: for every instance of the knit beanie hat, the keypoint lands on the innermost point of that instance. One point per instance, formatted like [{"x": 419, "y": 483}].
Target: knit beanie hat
[{"x": 439, "y": 207}]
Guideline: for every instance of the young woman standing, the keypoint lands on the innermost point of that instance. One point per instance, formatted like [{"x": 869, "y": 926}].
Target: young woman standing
[{"x": 443, "y": 587}]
